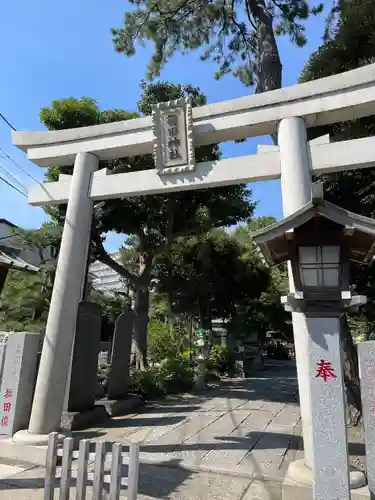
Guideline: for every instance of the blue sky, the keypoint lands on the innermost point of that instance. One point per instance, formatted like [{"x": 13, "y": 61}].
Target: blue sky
[{"x": 52, "y": 50}]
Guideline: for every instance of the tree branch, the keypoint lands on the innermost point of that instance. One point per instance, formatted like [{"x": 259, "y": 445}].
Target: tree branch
[{"x": 106, "y": 259}]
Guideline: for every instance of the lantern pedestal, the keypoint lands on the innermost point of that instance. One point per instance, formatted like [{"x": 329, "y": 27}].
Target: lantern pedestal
[{"x": 329, "y": 476}]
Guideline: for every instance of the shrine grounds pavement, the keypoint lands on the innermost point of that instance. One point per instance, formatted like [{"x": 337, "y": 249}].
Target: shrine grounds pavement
[{"x": 233, "y": 442}]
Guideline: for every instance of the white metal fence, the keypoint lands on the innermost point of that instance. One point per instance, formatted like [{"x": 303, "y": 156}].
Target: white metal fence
[{"x": 98, "y": 478}]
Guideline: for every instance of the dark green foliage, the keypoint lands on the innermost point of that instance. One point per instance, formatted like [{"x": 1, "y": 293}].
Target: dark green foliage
[
  {"x": 147, "y": 383},
  {"x": 177, "y": 375},
  {"x": 264, "y": 312},
  {"x": 238, "y": 36},
  {"x": 220, "y": 360},
  {"x": 351, "y": 47},
  {"x": 171, "y": 377},
  {"x": 26, "y": 296},
  {"x": 162, "y": 342},
  {"x": 207, "y": 276}
]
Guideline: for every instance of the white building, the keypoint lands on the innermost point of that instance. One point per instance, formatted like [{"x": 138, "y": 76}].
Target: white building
[{"x": 104, "y": 278}]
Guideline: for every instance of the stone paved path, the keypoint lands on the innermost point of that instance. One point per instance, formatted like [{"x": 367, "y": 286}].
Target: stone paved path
[
  {"x": 222, "y": 444},
  {"x": 247, "y": 427}
]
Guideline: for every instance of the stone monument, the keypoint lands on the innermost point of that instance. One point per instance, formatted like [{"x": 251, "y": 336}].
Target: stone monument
[
  {"x": 18, "y": 381},
  {"x": 118, "y": 401},
  {"x": 81, "y": 410}
]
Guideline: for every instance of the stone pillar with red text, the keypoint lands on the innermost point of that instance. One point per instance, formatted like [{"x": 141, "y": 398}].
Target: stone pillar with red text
[{"x": 329, "y": 436}]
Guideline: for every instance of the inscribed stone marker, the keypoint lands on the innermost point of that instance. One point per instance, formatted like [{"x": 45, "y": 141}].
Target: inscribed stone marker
[
  {"x": 118, "y": 377},
  {"x": 17, "y": 385},
  {"x": 85, "y": 358},
  {"x": 330, "y": 453},
  {"x": 366, "y": 353}
]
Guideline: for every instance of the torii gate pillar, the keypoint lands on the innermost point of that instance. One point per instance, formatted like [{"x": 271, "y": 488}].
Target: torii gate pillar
[
  {"x": 296, "y": 185},
  {"x": 59, "y": 336}
]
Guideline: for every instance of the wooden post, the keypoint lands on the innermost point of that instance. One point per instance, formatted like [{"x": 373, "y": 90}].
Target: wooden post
[
  {"x": 81, "y": 485},
  {"x": 116, "y": 466},
  {"x": 49, "y": 485},
  {"x": 133, "y": 472},
  {"x": 97, "y": 490},
  {"x": 66, "y": 469}
]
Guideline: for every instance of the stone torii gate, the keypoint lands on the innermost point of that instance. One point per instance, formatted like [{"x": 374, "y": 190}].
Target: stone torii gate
[{"x": 288, "y": 111}]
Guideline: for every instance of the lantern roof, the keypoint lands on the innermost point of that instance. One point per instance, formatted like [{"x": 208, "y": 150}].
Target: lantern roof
[{"x": 274, "y": 240}]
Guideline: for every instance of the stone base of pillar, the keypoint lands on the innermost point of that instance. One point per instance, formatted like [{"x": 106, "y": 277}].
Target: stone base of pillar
[
  {"x": 299, "y": 473},
  {"x": 27, "y": 438},
  {"x": 119, "y": 407},
  {"x": 79, "y": 420}
]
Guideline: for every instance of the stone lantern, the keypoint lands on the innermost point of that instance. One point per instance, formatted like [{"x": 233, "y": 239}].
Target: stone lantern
[{"x": 319, "y": 241}]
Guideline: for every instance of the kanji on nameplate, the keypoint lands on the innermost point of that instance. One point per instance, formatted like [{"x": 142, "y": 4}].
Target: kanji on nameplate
[
  {"x": 18, "y": 381},
  {"x": 173, "y": 143}
]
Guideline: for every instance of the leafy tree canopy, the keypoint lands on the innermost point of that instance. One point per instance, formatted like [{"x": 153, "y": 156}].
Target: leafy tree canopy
[
  {"x": 223, "y": 277},
  {"x": 351, "y": 47},
  {"x": 238, "y": 36}
]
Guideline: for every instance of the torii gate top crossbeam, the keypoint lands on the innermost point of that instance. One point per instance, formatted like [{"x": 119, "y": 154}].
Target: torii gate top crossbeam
[{"x": 336, "y": 98}]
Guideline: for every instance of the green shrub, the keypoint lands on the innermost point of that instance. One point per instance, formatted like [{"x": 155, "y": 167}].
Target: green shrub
[
  {"x": 220, "y": 360},
  {"x": 147, "y": 383},
  {"x": 176, "y": 375},
  {"x": 161, "y": 343}
]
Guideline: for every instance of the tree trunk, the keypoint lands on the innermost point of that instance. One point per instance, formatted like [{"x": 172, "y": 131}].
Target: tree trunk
[
  {"x": 141, "y": 308},
  {"x": 3, "y": 277},
  {"x": 204, "y": 299},
  {"x": 269, "y": 67},
  {"x": 205, "y": 315},
  {"x": 170, "y": 314},
  {"x": 268, "y": 64},
  {"x": 351, "y": 374}
]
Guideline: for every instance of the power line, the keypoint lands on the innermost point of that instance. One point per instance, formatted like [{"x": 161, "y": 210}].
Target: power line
[
  {"x": 7, "y": 122},
  {"x": 12, "y": 185},
  {"x": 13, "y": 181},
  {"x": 12, "y": 177},
  {"x": 19, "y": 166},
  {"x": 10, "y": 158}
]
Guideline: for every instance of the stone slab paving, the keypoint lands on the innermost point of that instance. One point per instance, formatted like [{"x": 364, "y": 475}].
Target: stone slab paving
[
  {"x": 233, "y": 443},
  {"x": 246, "y": 427},
  {"x": 154, "y": 483},
  {"x": 216, "y": 445}
]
